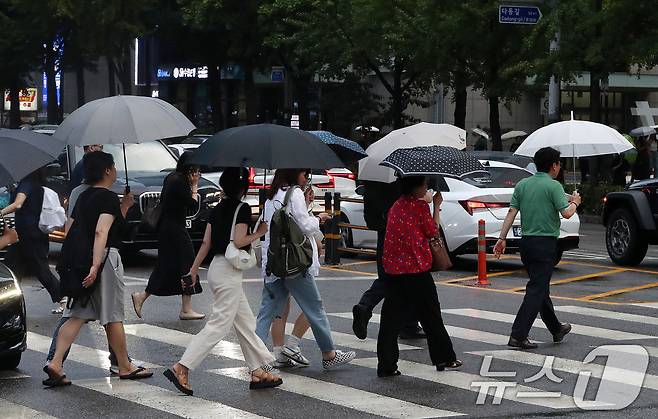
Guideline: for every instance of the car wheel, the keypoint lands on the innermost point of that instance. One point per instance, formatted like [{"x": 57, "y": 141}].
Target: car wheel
[
  {"x": 346, "y": 238},
  {"x": 623, "y": 239},
  {"x": 10, "y": 362}
]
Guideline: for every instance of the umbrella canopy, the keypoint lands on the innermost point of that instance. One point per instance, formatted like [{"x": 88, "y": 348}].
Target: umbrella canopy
[
  {"x": 367, "y": 129},
  {"x": 423, "y": 134},
  {"x": 265, "y": 146},
  {"x": 513, "y": 134},
  {"x": 642, "y": 131},
  {"x": 575, "y": 139},
  {"x": 22, "y": 152},
  {"x": 123, "y": 119},
  {"x": 347, "y": 150},
  {"x": 480, "y": 132},
  {"x": 434, "y": 160}
]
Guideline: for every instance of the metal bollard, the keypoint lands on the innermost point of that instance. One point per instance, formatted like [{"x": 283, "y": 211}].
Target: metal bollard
[
  {"x": 332, "y": 256},
  {"x": 327, "y": 202}
]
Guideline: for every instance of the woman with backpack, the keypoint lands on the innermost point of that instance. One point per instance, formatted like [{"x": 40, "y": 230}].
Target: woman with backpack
[
  {"x": 286, "y": 193},
  {"x": 31, "y": 251},
  {"x": 175, "y": 249},
  {"x": 228, "y": 225},
  {"x": 97, "y": 222},
  {"x": 407, "y": 261}
]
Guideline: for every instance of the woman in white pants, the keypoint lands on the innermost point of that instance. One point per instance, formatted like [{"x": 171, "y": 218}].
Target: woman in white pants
[{"x": 230, "y": 306}]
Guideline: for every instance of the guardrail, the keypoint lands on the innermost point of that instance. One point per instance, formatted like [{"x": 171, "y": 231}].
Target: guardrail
[{"x": 334, "y": 245}]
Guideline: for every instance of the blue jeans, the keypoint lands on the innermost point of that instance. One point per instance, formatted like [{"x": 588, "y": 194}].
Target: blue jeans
[{"x": 303, "y": 289}]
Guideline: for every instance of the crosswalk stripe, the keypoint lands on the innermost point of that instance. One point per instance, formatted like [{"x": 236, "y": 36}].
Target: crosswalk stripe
[
  {"x": 578, "y": 329},
  {"x": 83, "y": 354},
  {"x": 349, "y": 340},
  {"x": 645, "y": 305},
  {"x": 566, "y": 365},
  {"x": 350, "y": 397},
  {"x": 465, "y": 381},
  {"x": 163, "y": 400},
  {"x": 605, "y": 314},
  {"x": 224, "y": 349},
  {"x": 13, "y": 410},
  {"x": 453, "y": 331}
]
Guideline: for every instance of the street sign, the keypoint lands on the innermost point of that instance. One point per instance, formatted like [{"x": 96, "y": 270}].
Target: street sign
[{"x": 519, "y": 15}]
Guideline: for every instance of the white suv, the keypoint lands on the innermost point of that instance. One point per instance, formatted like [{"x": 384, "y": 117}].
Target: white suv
[{"x": 465, "y": 203}]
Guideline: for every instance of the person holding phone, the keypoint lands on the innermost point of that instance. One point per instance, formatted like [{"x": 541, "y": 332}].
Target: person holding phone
[
  {"x": 230, "y": 307},
  {"x": 175, "y": 249}
]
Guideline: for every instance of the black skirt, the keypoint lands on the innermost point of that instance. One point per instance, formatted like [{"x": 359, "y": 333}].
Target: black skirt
[{"x": 175, "y": 258}]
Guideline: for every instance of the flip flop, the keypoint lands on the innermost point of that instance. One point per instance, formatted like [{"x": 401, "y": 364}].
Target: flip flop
[
  {"x": 171, "y": 376},
  {"x": 55, "y": 380},
  {"x": 135, "y": 375},
  {"x": 264, "y": 382},
  {"x": 137, "y": 311}
]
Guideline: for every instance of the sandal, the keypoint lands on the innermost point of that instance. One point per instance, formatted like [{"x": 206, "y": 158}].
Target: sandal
[
  {"x": 449, "y": 365},
  {"x": 135, "y": 375},
  {"x": 265, "y": 380},
  {"x": 137, "y": 307},
  {"x": 183, "y": 387},
  {"x": 54, "y": 379}
]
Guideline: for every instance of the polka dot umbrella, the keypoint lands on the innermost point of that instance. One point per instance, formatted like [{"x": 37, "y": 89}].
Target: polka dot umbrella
[
  {"x": 433, "y": 161},
  {"x": 347, "y": 150}
]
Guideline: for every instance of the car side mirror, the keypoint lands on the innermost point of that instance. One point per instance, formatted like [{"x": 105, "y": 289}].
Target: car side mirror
[{"x": 360, "y": 190}]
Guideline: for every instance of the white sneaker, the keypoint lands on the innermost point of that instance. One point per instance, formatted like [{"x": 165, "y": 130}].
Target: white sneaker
[
  {"x": 341, "y": 358},
  {"x": 283, "y": 363},
  {"x": 295, "y": 354}
]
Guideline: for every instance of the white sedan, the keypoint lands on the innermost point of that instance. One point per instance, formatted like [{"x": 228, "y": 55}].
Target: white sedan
[{"x": 465, "y": 203}]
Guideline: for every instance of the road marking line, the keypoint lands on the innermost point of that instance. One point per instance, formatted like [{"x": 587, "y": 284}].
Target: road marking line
[
  {"x": 606, "y": 314},
  {"x": 350, "y": 397},
  {"x": 619, "y": 291},
  {"x": 82, "y": 354},
  {"x": 467, "y": 278},
  {"x": 366, "y": 262},
  {"x": 568, "y": 365},
  {"x": 453, "y": 331},
  {"x": 14, "y": 410},
  {"x": 163, "y": 400},
  {"x": 321, "y": 278},
  {"x": 577, "y": 278},
  {"x": 331, "y": 268},
  {"x": 578, "y": 329},
  {"x": 465, "y": 381},
  {"x": 645, "y": 305}
]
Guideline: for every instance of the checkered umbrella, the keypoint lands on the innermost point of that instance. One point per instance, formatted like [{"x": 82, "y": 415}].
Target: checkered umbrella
[
  {"x": 432, "y": 161},
  {"x": 347, "y": 150}
]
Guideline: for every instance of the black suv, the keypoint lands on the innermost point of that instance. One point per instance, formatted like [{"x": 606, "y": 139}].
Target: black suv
[
  {"x": 148, "y": 165},
  {"x": 631, "y": 221},
  {"x": 13, "y": 329}
]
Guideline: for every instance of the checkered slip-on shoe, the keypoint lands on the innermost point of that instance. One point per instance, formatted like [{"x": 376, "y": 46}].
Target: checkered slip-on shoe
[{"x": 341, "y": 358}]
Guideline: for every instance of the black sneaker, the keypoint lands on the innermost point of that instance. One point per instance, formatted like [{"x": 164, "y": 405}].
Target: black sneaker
[
  {"x": 564, "y": 329},
  {"x": 361, "y": 315}
]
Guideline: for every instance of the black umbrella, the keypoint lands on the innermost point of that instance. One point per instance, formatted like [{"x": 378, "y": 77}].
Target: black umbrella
[
  {"x": 22, "y": 152},
  {"x": 265, "y": 146},
  {"x": 433, "y": 160}
]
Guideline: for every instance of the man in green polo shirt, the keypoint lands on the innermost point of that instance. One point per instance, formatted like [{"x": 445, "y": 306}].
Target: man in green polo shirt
[{"x": 541, "y": 200}]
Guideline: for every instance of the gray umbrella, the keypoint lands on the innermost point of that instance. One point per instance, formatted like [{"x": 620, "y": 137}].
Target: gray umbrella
[
  {"x": 123, "y": 120},
  {"x": 434, "y": 160},
  {"x": 642, "y": 131},
  {"x": 265, "y": 146},
  {"x": 22, "y": 152}
]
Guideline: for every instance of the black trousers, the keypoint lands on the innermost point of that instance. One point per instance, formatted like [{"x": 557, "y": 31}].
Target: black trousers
[
  {"x": 375, "y": 294},
  {"x": 30, "y": 255},
  {"x": 538, "y": 255},
  {"x": 403, "y": 291}
]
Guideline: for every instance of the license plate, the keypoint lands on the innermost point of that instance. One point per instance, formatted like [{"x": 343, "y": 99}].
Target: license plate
[
  {"x": 516, "y": 231},
  {"x": 188, "y": 223}
]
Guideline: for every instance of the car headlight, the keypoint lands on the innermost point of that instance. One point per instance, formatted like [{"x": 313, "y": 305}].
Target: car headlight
[{"x": 212, "y": 199}]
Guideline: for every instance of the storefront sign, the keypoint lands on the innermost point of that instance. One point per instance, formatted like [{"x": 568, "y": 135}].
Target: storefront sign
[
  {"x": 27, "y": 100},
  {"x": 182, "y": 72},
  {"x": 277, "y": 75}
]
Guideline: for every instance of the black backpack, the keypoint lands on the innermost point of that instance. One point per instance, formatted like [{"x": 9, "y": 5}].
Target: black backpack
[{"x": 76, "y": 259}]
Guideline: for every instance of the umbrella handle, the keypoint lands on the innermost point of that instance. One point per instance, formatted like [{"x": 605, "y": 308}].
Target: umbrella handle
[{"x": 125, "y": 165}]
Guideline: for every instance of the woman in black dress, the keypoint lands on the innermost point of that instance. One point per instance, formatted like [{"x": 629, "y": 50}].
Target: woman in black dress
[{"x": 175, "y": 249}]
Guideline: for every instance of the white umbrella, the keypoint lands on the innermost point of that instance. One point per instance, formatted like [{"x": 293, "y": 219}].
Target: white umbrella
[
  {"x": 513, "y": 134},
  {"x": 121, "y": 120},
  {"x": 422, "y": 134},
  {"x": 642, "y": 131},
  {"x": 480, "y": 132},
  {"x": 367, "y": 129},
  {"x": 575, "y": 139}
]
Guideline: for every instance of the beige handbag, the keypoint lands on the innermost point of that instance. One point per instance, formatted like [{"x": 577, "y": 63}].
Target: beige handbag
[{"x": 240, "y": 259}]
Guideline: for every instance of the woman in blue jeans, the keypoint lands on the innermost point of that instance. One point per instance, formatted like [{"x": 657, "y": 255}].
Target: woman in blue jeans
[{"x": 302, "y": 287}]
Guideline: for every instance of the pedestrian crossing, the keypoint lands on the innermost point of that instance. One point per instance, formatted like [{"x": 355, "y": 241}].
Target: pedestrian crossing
[{"x": 480, "y": 337}]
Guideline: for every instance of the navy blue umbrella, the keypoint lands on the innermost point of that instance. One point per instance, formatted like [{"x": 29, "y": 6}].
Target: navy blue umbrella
[
  {"x": 348, "y": 150},
  {"x": 434, "y": 160}
]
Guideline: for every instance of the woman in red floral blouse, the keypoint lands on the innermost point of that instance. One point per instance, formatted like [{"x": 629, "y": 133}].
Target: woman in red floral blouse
[{"x": 407, "y": 259}]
